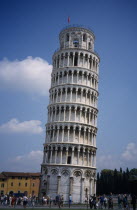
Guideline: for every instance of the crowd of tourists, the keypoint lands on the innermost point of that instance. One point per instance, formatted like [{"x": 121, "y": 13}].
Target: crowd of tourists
[
  {"x": 12, "y": 200},
  {"x": 122, "y": 201}
]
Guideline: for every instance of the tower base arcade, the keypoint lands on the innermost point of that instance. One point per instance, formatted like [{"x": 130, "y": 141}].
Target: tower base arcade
[{"x": 77, "y": 181}]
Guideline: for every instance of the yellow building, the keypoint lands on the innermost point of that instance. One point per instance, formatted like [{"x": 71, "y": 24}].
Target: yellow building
[{"x": 19, "y": 182}]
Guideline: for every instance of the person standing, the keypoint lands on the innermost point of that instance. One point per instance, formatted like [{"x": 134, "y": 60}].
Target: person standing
[
  {"x": 110, "y": 201},
  {"x": 25, "y": 201},
  {"x": 105, "y": 201},
  {"x": 94, "y": 201},
  {"x": 90, "y": 201},
  {"x": 133, "y": 201},
  {"x": 70, "y": 200}
]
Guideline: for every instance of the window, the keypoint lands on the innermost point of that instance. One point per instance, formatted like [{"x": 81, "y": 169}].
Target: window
[
  {"x": 18, "y": 192},
  {"x": 26, "y": 184},
  {"x": 33, "y": 184},
  {"x": 69, "y": 160},
  {"x": 2, "y": 185},
  {"x": 76, "y": 59},
  {"x": 34, "y": 178},
  {"x": 11, "y": 184},
  {"x": 19, "y": 184},
  {"x": 19, "y": 177},
  {"x": 67, "y": 37},
  {"x": 76, "y": 42},
  {"x": 84, "y": 37},
  {"x": 1, "y": 192},
  {"x": 13, "y": 177},
  {"x": 26, "y": 178},
  {"x": 89, "y": 46}
]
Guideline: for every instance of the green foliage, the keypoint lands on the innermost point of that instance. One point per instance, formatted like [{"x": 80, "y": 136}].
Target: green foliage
[{"x": 114, "y": 181}]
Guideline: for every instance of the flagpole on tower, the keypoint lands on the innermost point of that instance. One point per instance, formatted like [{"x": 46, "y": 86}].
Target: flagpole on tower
[{"x": 68, "y": 19}]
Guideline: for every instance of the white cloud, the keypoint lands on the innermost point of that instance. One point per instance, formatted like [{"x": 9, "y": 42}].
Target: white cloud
[
  {"x": 127, "y": 158},
  {"x": 107, "y": 161},
  {"x": 27, "y": 162},
  {"x": 14, "y": 126},
  {"x": 130, "y": 153},
  {"x": 31, "y": 75}
]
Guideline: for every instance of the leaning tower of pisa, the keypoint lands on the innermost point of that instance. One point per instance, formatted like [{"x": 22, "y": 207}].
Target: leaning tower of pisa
[{"x": 69, "y": 161}]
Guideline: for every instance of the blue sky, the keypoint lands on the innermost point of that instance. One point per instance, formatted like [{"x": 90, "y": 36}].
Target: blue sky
[{"x": 28, "y": 39}]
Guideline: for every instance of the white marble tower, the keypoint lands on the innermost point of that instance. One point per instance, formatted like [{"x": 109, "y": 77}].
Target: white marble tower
[{"x": 69, "y": 162}]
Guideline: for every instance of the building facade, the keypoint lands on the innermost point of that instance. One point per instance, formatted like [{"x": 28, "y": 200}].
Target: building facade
[
  {"x": 69, "y": 161},
  {"x": 19, "y": 183}
]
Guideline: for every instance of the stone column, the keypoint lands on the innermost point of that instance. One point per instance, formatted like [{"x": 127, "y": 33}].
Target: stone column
[
  {"x": 90, "y": 186},
  {"x": 80, "y": 113},
  {"x": 71, "y": 94},
  {"x": 57, "y": 133},
  {"x": 47, "y": 160},
  {"x": 82, "y": 190},
  {"x": 51, "y": 155},
  {"x": 74, "y": 129},
  {"x": 59, "y": 112},
  {"x": 67, "y": 76},
  {"x": 58, "y": 78},
  {"x": 95, "y": 186},
  {"x": 79, "y": 134},
  {"x": 78, "y": 156},
  {"x": 84, "y": 135},
  {"x": 83, "y": 156},
  {"x": 53, "y": 133},
  {"x": 88, "y": 159},
  {"x": 89, "y": 116},
  {"x": 58, "y": 184},
  {"x": 61, "y": 152},
  {"x": 81, "y": 95},
  {"x": 72, "y": 78},
  {"x": 66, "y": 154},
  {"x": 62, "y": 133},
  {"x": 68, "y": 132},
  {"x": 70, "y": 113},
  {"x": 88, "y": 136},
  {"x": 56, "y": 150},
  {"x": 55, "y": 114},
  {"x": 57, "y": 96}
]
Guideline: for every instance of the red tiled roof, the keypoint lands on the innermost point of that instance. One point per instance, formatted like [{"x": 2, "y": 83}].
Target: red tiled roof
[{"x": 20, "y": 174}]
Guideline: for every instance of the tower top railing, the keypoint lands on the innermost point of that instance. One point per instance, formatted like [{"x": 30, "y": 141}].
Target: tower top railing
[{"x": 77, "y": 26}]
